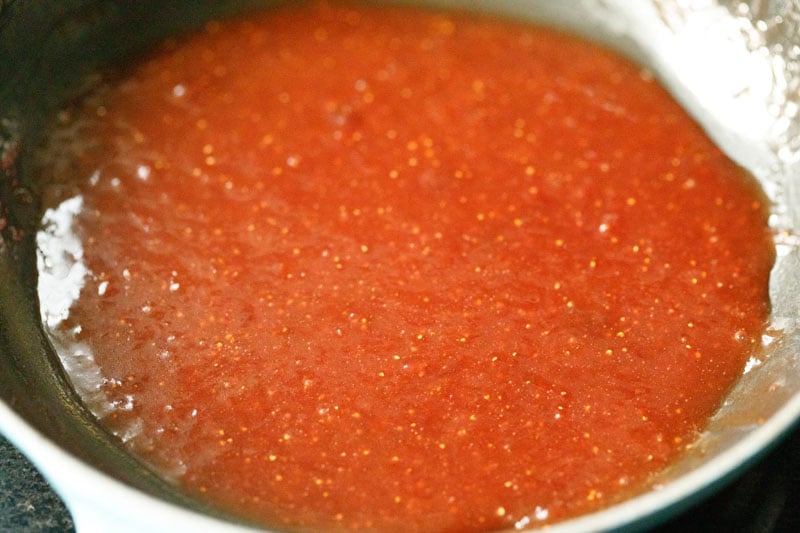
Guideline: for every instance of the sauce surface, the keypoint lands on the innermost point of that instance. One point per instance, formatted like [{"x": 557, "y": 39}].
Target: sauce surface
[{"x": 349, "y": 267}]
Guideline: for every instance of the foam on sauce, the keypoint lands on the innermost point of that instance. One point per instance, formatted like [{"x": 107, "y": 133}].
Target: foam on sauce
[{"x": 350, "y": 267}]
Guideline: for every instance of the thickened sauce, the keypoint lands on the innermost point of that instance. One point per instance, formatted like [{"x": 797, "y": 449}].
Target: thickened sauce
[{"x": 361, "y": 268}]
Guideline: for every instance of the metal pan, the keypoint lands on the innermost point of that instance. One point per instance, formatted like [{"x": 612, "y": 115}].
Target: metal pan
[{"x": 735, "y": 66}]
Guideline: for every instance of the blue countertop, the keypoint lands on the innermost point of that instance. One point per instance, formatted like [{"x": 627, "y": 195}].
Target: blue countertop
[{"x": 26, "y": 501}]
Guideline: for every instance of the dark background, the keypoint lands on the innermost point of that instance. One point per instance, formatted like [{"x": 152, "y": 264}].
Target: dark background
[{"x": 766, "y": 498}]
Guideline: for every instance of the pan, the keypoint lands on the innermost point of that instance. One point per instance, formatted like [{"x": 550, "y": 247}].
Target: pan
[{"x": 734, "y": 65}]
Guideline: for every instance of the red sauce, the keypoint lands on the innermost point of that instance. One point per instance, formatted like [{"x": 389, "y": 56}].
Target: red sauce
[{"x": 380, "y": 268}]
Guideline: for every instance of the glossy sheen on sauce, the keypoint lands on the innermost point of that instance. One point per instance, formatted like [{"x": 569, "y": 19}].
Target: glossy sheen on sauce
[{"x": 384, "y": 269}]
